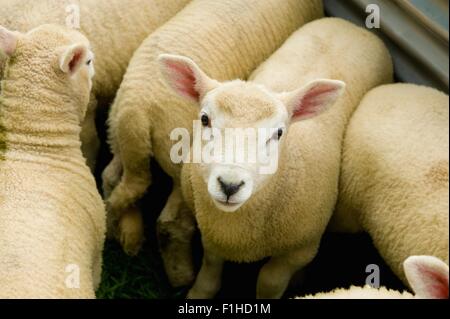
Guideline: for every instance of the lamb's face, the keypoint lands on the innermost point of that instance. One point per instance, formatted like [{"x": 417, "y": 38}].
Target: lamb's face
[
  {"x": 55, "y": 58},
  {"x": 244, "y": 125}
]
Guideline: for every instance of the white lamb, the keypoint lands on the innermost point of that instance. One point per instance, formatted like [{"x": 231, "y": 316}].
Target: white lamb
[
  {"x": 115, "y": 29},
  {"x": 244, "y": 216},
  {"x": 52, "y": 218},
  {"x": 229, "y": 38},
  {"x": 394, "y": 180},
  {"x": 426, "y": 275}
]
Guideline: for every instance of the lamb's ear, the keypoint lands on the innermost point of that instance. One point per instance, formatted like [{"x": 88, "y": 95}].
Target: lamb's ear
[
  {"x": 73, "y": 57},
  {"x": 427, "y": 276},
  {"x": 312, "y": 99},
  {"x": 8, "y": 41},
  {"x": 185, "y": 77}
]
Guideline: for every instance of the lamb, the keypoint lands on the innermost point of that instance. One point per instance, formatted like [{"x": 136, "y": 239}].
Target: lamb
[
  {"x": 427, "y": 276},
  {"x": 394, "y": 180},
  {"x": 52, "y": 218},
  {"x": 245, "y": 216},
  {"x": 115, "y": 29},
  {"x": 229, "y": 39}
]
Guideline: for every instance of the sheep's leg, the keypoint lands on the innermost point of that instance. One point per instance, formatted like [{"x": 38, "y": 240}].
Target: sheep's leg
[
  {"x": 97, "y": 270},
  {"x": 131, "y": 230},
  {"x": 90, "y": 143},
  {"x": 175, "y": 228},
  {"x": 209, "y": 279},
  {"x": 110, "y": 178},
  {"x": 275, "y": 275},
  {"x": 134, "y": 148}
]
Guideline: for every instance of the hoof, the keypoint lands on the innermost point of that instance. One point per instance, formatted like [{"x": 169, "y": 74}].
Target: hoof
[
  {"x": 181, "y": 277},
  {"x": 131, "y": 243},
  {"x": 131, "y": 232},
  {"x": 195, "y": 294}
]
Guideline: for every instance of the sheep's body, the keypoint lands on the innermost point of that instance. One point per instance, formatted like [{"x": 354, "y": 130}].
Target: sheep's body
[
  {"x": 115, "y": 29},
  {"x": 287, "y": 217},
  {"x": 366, "y": 292},
  {"x": 228, "y": 39},
  {"x": 426, "y": 275},
  {"x": 52, "y": 218},
  {"x": 394, "y": 180}
]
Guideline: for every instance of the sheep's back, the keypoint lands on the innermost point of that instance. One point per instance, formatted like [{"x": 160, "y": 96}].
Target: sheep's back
[
  {"x": 115, "y": 28},
  {"x": 51, "y": 217},
  {"x": 366, "y": 292},
  {"x": 394, "y": 180},
  {"x": 228, "y": 39}
]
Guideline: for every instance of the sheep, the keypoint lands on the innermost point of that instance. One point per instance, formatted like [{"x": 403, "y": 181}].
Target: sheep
[
  {"x": 245, "y": 216},
  {"x": 427, "y": 275},
  {"x": 394, "y": 179},
  {"x": 115, "y": 29},
  {"x": 52, "y": 218},
  {"x": 229, "y": 38}
]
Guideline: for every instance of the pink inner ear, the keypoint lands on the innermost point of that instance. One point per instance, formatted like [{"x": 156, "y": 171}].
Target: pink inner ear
[
  {"x": 436, "y": 282},
  {"x": 184, "y": 80},
  {"x": 314, "y": 100},
  {"x": 8, "y": 41},
  {"x": 75, "y": 60}
]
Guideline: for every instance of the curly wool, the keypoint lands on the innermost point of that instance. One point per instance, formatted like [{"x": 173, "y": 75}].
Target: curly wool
[
  {"x": 394, "y": 180},
  {"x": 52, "y": 217},
  {"x": 228, "y": 39},
  {"x": 294, "y": 209},
  {"x": 115, "y": 28},
  {"x": 366, "y": 292}
]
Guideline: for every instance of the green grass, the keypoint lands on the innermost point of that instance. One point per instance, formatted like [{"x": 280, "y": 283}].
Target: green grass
[{"x": 140, "y": 277}]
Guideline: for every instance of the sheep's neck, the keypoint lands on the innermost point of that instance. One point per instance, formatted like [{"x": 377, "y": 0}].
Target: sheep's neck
[{"x": 38, "y": 120}]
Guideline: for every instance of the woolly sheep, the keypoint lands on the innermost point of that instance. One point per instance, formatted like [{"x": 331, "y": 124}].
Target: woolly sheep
[
  {"x": 394, "y": 179},
  {"x": 229, "y": 39},
  {"x": 52, "y": 218},
  {"x": 115, "y": 29},
  {"x": 283, "y": 215},
  {"x": 427, "y": 275}
]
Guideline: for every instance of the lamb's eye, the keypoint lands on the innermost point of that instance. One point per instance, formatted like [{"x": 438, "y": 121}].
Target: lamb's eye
[
  {"x": 279, "y": 133},
  {"x": 205, "y": 120},
  {"x": 88, "y": 62},
  {"x": 276, "y": 135}
]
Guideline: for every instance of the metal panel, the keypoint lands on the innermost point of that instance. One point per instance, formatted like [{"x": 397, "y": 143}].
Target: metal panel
[{"x": 417, "y": 42}]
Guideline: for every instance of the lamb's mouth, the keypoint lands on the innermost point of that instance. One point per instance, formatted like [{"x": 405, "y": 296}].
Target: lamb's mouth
[{"x": 227, "y": 204}]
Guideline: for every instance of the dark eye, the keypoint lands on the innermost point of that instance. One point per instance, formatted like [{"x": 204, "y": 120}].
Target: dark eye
[
  {"x": 279, "y": 133},
  {"x": 276, "y": 136},
  {"x": 88, "y": 62},
  {"x": 205, "y": 120}
]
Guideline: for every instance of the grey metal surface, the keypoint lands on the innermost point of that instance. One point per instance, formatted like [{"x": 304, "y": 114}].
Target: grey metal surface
[{"x": 419, "y": 50}]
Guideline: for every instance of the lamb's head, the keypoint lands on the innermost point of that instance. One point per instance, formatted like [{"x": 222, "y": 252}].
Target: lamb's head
[
  {"x": 51, "y": 58},
  {"x": 243, "y": 126}
]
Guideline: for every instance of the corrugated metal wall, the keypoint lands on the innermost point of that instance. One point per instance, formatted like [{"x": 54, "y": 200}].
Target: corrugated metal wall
[{"x": 416, "y": 33}]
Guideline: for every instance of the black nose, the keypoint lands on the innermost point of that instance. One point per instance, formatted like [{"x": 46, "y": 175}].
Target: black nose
[{"x": 229, "y": 189}]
